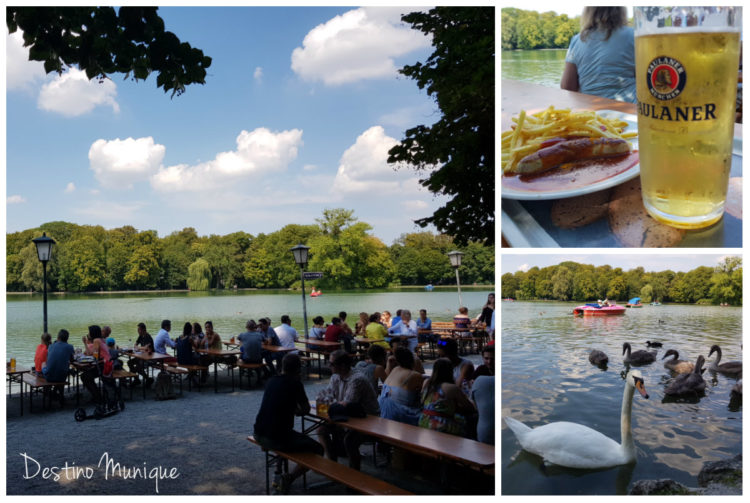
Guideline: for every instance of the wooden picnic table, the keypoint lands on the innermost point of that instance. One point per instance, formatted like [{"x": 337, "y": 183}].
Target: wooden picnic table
[
  {"x": 216, "y": 355},
  {"x": 423, "y": 441},
  {"x": 15, "y": 375}
]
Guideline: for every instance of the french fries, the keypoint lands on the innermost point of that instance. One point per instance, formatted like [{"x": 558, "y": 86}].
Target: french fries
[{"x": 530, "y": 131}]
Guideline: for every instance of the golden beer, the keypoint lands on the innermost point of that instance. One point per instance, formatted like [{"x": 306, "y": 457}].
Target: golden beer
[{"x": 686, "y": 84}]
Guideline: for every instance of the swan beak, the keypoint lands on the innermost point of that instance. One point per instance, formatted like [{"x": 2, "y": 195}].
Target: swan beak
[{"x": 641, "y": 389}]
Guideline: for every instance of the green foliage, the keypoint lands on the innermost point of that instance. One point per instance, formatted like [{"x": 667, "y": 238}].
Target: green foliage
[
  {"x": 199, "y": 275},
  {"x": 573, "y": 281},
  {"x": 456, "y": 153},
  {"x": 102, "y": 41},
  {"x": 523, "y": 29},
  {"x": 90, "y": 258}
]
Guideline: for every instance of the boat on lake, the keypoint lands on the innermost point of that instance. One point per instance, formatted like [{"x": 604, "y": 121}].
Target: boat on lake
[
  {"x": 634, "y": 302},
  {"x": 656, "y": 303},
  {"x": 429, "y": 288},
  {"x": 597, "y": 310}
]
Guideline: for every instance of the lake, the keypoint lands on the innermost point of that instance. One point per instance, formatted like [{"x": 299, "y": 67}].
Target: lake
[
  {"x": 228, "y": 310},
  {"x": 546, "y": 377},
  {"x": 544, "y": 66}
]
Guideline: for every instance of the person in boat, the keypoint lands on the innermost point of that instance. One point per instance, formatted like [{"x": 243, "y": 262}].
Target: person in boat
[{"x": 605, "y": 303}]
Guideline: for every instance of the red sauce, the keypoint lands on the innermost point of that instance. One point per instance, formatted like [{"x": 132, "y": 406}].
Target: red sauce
[{"x": 572, "y": 175}]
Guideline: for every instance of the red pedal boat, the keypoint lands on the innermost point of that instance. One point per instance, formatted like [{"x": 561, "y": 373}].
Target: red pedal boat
[{"x": 596, "y": 310}]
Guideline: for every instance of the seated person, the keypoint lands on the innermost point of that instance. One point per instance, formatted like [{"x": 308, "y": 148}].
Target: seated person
[
  {"x": 59, "y": 356},
  {"x": 346, "y": 388},
  {"x": 361, "y": 325},
  {"x": 462, "y": 368},
  {"x": 488, "y": 367},
  {"x": 114, "y": 353},
  {"x": 483, "y": 395},
  {"x": 40, "y": 356},
  {"x": 163, "y": 340},
  {"x": 96, "y": 347},
  {"x": 145, "y": 343},
  {"x": 425, "y": 324},
  {"x": 406, "y": 328},
  {"x": 319, "y": 328},
  {"x": 373, "y": 366},
  {"x": 399, "y": 399},
  {"x": 443, "y": 404},
  {"x": 270, "y": 338},
  {"x": 375, "y": 330},
  {"x": 462, "y": 320},
  {"x": 335, "y": 333},
  {"x": 283, "y": 398},
  {"x": 286, "y": 333},
  {"x": 185, "y": 347},
  {"x": 393, "y": 363},
  {"x": 252, "y": 341}
]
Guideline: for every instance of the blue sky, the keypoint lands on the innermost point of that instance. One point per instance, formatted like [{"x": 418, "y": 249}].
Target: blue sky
[
  {"x": 649, "y": 261},
  {"x": 299, "y": 109}
]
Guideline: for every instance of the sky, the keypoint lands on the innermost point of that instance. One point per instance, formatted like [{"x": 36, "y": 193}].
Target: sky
[
  {"x": 299, "y": 110},
  {"x": 651, "y": 262}
]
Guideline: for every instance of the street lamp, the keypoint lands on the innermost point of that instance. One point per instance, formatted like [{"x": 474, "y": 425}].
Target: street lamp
[
  {"x": 44, "y": 252},
  {"x": 300, "y": 257},
  {"x": 455, "y": 257}
]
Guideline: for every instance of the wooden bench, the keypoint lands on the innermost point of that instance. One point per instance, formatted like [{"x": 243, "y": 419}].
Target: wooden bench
[
  {"x": 178, "y": 370},
  {"x": 249, "y": 368},
  {"x": 361, "y": 482},
  {"x": 120, "y": 374},
  {"x": 36, "y": 383}
]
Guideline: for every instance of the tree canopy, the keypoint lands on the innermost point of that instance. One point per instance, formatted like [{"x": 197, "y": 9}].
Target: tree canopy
[
  {"x": 527, "y": 29},
  {"x": 91, "y": 258},
  {"x": 458, "y": 151},
  {"x": 104, "y": 40},
  {"x": 581, "y": 282}
]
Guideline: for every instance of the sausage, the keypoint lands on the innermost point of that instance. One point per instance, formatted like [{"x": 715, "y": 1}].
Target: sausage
[{"x": 571, "y": 150}]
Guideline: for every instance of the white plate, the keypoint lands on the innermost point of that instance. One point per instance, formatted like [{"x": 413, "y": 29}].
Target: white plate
[{"x": 623, "y": 177}]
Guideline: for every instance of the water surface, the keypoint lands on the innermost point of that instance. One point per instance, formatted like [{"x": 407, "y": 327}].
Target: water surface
[
  {"x": 543, "y": 66},
  {"x": 228, "y": 310},
  {"x": 547, "y": 377}
]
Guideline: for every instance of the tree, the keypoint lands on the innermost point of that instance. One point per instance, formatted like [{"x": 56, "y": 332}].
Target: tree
[
  {"x": 143, "y": 268},
  {"x": 562, "y": 283},
  {"x": 102, "y": 41},
  {"x": 457, "y": 151},
  {"x": 199, "y": 275}
]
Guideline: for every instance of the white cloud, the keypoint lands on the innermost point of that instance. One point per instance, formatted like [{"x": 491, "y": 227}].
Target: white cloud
[
  {"x": 363, "y": 166},
  {"x": 359, "y": 44},
  {"x": 15, "y": 199},
  {"x": 73, "y": 94},
  {"x": 258, "y": 152},
  {"x": 71, "y": 187},
  {"x": 309, "y": 167},
  {"x": 120, "y": 163},
  {"x": 20, "y": 73},
  {"x": 258, "y": 74},
  {"x": 524, "y": 267}
]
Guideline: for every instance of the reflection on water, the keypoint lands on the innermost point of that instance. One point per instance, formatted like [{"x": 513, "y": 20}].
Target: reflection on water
[
  {"x": 543, "y": 67},
  {"x": 547, "y": 377}
]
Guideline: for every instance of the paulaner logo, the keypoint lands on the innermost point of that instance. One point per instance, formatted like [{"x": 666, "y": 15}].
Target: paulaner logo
[{"x": 665, "y": 78}]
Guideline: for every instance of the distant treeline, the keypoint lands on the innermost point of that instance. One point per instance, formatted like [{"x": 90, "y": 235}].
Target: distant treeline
[
  {"x": 528, "y": 29},
  {"x": 580, "y": 282},
  {"x": 92, "y": 258}
]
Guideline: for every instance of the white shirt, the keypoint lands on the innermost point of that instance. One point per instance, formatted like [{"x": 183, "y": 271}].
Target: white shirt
[
  {"x": 407, "y": 329},
  {"x": 287, "y": 335}
]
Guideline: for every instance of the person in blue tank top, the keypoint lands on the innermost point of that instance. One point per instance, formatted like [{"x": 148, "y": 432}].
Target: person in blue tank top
[{"x": 601, "y": 58}]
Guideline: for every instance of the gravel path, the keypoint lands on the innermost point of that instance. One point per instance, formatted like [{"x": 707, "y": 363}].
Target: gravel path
[{"x": 199, "y": 437}]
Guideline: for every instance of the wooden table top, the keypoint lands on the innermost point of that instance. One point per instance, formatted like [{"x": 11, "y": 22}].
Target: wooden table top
[
  {"x": 219, "y": 352},
  {"x": 18, "y": 370},
  {"x": 422, "y": 440},
  {"x": 149, "y": 356},
  {"x": 321, "y": 343},
  {"x": 367, "y": 340},
  {"x": 517, "y": 95}
]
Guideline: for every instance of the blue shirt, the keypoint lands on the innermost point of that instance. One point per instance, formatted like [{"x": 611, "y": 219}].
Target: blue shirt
[
  {"x": 58, "y": 361},
  {"x": 162, "y": 341},
  {"x": 605, "y": 67},
  {"x": 424, "y": 325},
  {"x": 251, "y": 346},
  {"x": 394, "y": 321}
]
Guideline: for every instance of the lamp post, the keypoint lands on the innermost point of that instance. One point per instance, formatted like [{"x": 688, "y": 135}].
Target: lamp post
[
  {"x": 300, "y": 257},
  {"x": 44, "y": 252},
  {"x": 455, "y": 257}
]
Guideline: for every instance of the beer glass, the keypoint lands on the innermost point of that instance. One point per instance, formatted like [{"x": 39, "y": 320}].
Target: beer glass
[{"x": 687, "y": 62}]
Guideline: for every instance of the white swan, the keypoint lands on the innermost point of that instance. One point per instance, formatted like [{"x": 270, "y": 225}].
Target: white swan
[{"x": 578, "y": 446}]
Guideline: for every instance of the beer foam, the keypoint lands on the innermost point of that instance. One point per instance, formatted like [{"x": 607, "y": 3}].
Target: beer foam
[{"x": 672, "y": 30}]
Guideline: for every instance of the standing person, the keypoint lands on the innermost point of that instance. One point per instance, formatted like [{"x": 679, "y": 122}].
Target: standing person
[
  {"x": 406, "y": 328},
  {"x": 40, "y": 356},
  {"x": 424, "y": 323},
  {"x": 283, "y": 398},
  {"x": 601, "y": 58},
  {"x": 286, "y": 333},
  {"x": 443, "y": 403},
  {"x": 347, "y": 389},
  {"x": 145, "y": 343}
]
